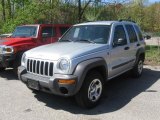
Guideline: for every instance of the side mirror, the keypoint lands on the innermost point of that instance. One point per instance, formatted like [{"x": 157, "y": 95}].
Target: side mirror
[
  {"x": 147, "y": 37},
  {"x": 45, "y": 35},
  {"x": 119, "y": 42}
]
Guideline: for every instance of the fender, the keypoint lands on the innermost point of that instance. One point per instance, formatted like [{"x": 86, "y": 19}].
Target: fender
[
  {"x": 139, "y": 51},
  {"x": 83, "y": 68}
]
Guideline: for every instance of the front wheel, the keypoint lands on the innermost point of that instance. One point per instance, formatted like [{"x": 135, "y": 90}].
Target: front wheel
[
  {"x": 2, "y": 69},
  {"x": 17, "y": 62},
  {"x": 91, "y": 90},
  {"x": 138, "y": 68}
]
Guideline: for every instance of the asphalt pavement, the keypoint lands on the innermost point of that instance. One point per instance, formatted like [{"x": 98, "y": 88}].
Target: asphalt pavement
[{"x": 124, "y": 98}]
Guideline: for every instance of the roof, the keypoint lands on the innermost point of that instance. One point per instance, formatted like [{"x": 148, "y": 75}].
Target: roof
[
  {"x": 46, "y": 25},
  {"x": 102, "y": 23}
]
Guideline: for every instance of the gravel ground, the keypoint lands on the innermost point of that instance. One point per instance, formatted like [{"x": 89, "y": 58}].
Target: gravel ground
[{"x": 125, "y": 98}]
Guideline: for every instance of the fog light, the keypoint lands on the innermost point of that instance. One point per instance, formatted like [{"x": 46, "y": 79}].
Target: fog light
[{"x": 63, "y": 90}]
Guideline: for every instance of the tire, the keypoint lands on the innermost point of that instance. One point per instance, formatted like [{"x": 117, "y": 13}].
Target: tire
[
  {"x": 15, "y": 70},
  {"x": 94, "y": 84},
  {"x": 2, "y": 69},
  {"x": 138, "y": 68},
  {"x": 17, "y": 63}
]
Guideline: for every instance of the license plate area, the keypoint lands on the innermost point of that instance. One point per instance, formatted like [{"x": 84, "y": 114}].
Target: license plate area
[{"x": 33, "y": 84}]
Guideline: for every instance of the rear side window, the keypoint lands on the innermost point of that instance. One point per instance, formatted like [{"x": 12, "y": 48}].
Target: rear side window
[
  {"x": 131, "y": 33},
  {"x": 50, "y": 31},
  {"x": 139, "y": 32},
  {"x": 63, "y": 30}
]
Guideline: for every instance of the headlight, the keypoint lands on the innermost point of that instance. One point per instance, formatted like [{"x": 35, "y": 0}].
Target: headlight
[
  {"x": 6, "y": 49},
  {"x": 63, "y": 65},
  {"x": 23, "y": 59}
]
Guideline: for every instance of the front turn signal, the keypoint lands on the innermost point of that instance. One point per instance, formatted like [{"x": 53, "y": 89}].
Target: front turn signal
[{"x": 66, "y": 82}]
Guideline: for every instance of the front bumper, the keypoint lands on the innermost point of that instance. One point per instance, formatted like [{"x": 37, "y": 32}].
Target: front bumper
[
  {"x": 6, "y": 59},
  {"x": 49, "y": 84}
]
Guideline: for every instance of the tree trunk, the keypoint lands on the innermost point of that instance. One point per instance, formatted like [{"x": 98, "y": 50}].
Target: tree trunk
[
  {"x": 9, "y": 9},
  {"x": 79, "y": 11},
  {"x": 3, "y": 10}
]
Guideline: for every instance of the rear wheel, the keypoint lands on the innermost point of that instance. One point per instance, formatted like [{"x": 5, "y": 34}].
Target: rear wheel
[
  {"x": 91, "y": 91},
  {"x": 138, "y": 68}
]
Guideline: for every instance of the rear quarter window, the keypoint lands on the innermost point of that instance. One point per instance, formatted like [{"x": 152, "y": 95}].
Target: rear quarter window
[{"x": 139, "y": 32}]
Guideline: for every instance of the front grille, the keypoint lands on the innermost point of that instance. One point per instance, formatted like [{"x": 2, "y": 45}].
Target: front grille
[{"x": 40, "y": 67}]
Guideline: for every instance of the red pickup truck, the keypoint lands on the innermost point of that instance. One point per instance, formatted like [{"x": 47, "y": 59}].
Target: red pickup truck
[{"x": 26, "y": 37}]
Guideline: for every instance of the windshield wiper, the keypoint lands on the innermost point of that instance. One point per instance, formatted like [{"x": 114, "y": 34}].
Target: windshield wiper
[
  {"x": 22, "y": 36},
  {"x": 84, "y": 40},
  {"x": 65, "y": 40},
  {"x": 18, "y": 36}
]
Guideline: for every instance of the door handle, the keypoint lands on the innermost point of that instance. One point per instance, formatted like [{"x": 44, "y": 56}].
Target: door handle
[
  {"x": 126, "y": 48},
  {"x": 138, "y": 44}
]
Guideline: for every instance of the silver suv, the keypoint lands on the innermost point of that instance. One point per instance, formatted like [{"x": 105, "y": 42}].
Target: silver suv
[{"x": 87, "y": 55}]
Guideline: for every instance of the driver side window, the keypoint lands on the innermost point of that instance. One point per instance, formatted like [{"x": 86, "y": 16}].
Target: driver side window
[
  {"x": 119, "y": 38},
  {"x": 48, "y": 32}
]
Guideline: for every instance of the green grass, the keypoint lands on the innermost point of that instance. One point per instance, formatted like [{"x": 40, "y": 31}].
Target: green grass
[
  {"x": 152, "y": 55},
  {"x": 156, "y": 34}
]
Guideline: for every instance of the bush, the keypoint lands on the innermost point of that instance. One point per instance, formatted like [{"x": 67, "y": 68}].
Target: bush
[{"x": 152, "y": 55}]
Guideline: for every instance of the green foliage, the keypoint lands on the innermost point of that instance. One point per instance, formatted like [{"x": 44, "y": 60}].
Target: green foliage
[
  {"x": 18, "y": 12},
  {"x": 40, "y": 12},
  {"x": 152, "y": 55}
]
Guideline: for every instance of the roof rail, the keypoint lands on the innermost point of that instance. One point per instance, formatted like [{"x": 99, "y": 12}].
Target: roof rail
[
  {"x": 89, "y": 21},
  {"x": 129, "y": 20}
]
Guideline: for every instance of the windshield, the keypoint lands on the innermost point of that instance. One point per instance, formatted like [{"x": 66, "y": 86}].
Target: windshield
[
  {"x": 88, "y": 33},
  {"x": 25, "y": 31}
]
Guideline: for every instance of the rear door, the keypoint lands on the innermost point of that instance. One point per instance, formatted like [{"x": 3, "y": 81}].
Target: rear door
[{"x": 134, "y": 42}]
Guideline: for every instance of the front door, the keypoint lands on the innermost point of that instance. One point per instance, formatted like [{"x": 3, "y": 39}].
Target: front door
[
  {"x": 119, "y": 56},
  {"x": 48, "y": 34}
]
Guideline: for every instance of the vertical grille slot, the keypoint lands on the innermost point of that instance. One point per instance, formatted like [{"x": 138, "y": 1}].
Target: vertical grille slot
[
  {"x": 38, "y": 66},
  {"x": 41, "y": 67},
  {"x": 31, "y": 65},
  {"x": 46, "y": 68},
  {"x": 34, "y": 66},
  {"x": 51, "y": 69},
  {"x": 28, "y": 65}
]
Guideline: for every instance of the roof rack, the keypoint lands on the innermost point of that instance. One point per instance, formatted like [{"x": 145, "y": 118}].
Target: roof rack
[
  {"x": 89, "y": 21},
  {"x": 129, "y": 19}
]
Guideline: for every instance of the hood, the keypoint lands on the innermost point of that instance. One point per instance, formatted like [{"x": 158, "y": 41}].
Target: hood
[
  {"x": 69, "y": 50},
  {"x": 12, "y": 41}
]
